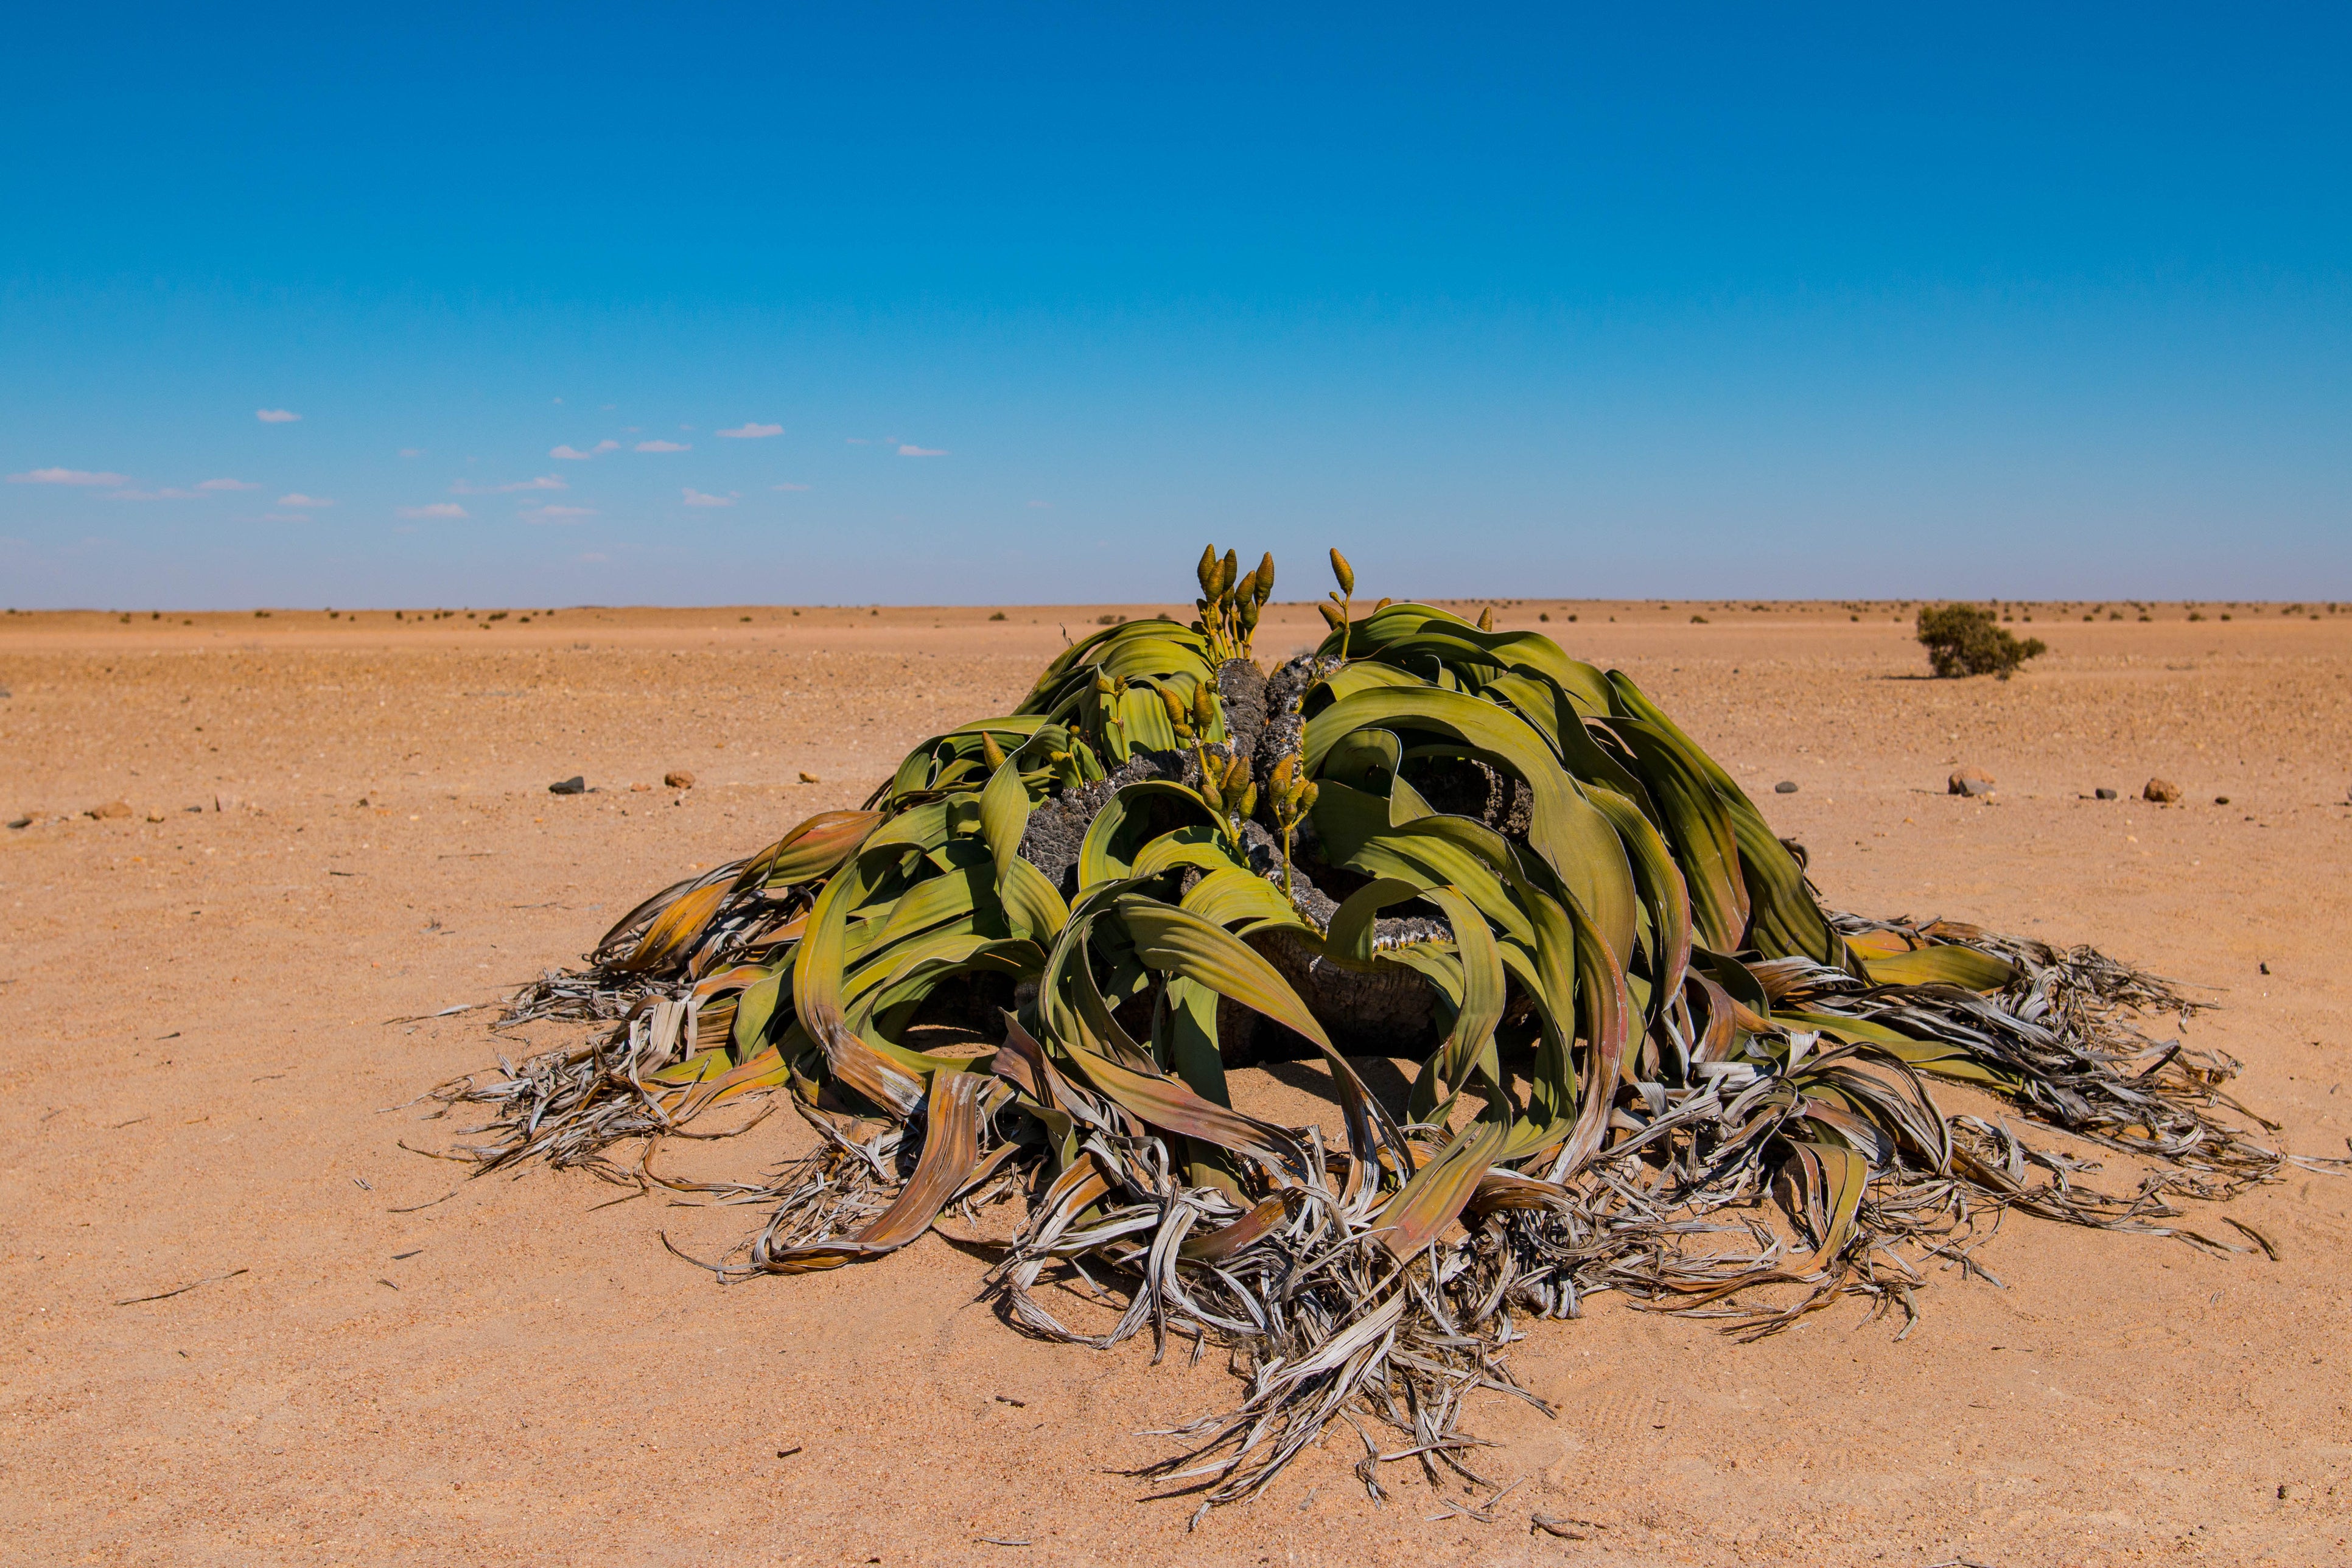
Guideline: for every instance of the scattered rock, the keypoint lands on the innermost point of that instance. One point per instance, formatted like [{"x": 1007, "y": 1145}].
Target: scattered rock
[
  {"x": 2104, "y": 792},
  {"x": 2163, "y": 792},
  {"x": 678, "y": 778},
  {"x": 226, "y": 803},
  {"x": 810, "y": 778},
  {"x": 29, "y": 818},
  {"x": 154, "y": 814},
  {"x": 575, "y": 784},
  {"x": 110, "y": 811},
  {"x": 2221, "y": 800},
  {"x": 1972, "y": 781},
  {"x": 1786, "y": 786},
  {"x": 643, "y": 788},
  {"x": 363, "y": 800}
]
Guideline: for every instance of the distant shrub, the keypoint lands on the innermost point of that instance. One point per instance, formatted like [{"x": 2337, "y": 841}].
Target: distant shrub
[{"x": 1963, "y": 639}]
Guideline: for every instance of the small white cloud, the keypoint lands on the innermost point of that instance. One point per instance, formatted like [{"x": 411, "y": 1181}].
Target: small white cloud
[
  {"x": 228, "y": 485},
  {"x": 69, "y": 477},
  {"x": 570, "y": 453},
  {"x": 298, "y": 498},
  {"x": 166, "y": 494},
  {"x": 275, "y": 416},
  {"x": 555, "y": 513},
  {"x": 788, "y": 486},
  {"x": 753, "y": 432},
  {"x": 437, "y": 509},
  {"x": 544, "y": 482},
  {"x": 664, "y": 447},
  {"x": 605, "y": 446},
  {"x": 920, "y": 452},
  {"x": 695, "y": 498},
  {"x": 559, "y": 400},
  {"x": 412, "y": 451}
]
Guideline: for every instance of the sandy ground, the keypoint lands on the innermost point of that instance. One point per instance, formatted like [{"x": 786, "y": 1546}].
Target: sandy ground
[{"x": 197, "y": 1059}]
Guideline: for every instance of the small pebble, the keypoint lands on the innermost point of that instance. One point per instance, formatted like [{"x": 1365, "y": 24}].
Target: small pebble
[
  {"x": 2163, "y": 792},
  {"x": 810, "y": 778},
  {"x": 2221, "y": 800},
  {"x": 575, "y": 784},
  {"x": 1786, "y": 786},
  {"x": 1972, "y": 781},
  {"x": 2104, "y": 792},
  {"x": 678, "y": 778}
]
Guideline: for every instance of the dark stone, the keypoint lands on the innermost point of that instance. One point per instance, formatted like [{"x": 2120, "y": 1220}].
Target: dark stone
[
  {"x": 575, "y": 784},
  {"x": 2102, "y": 793},
  {"x": 1786, "y": 786}
]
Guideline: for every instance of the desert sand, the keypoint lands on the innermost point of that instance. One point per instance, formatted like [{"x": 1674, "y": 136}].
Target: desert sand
[{"x": 218, "y": 1004}]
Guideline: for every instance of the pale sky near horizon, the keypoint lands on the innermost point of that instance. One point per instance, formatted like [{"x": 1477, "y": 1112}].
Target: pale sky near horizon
[{"x": 938, "y": 304}]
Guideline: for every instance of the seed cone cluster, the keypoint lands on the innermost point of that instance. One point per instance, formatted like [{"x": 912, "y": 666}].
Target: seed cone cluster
[{"x": 1641, "y": 1056}]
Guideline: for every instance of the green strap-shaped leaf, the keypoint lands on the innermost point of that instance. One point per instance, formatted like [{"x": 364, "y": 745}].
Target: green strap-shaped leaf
[
  {"x": 1472, "y": 1037},
  {"x": 1706, "y": 847},
  {"x": 1666, "y": 897},
  {"x": 1400, "y": 625},
  {"x": 1105, "y": 855},
  {"x": 817, "y": 999},
  {"x": 1032, "y": 904},
  {"x": 1189, "y": 1020},
  {"x": 1605, "y": 1008},
  {"x": 1004, "y": 815},
  {"x": 1232, "y": 895},
  {"x": 1948, "y": 965},
  {"x": 1348, "y": 942},
  {"x": 1566, "y": 830},
  {"x": 1209, "y": 849},
  {"x": 1180, "y": 942}
]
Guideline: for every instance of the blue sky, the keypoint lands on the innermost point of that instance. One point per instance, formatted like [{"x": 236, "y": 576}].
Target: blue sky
[{"x": 1697, "y": 300}]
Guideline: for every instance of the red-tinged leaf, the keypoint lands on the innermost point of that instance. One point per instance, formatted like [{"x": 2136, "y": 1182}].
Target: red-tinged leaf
[
  {"x": 951, "y": 1153},
  {"x": 1429, "y": 1202}
]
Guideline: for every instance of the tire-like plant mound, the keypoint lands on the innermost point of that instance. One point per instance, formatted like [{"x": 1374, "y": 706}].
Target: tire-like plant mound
[{"x": 1020, "y": 974}]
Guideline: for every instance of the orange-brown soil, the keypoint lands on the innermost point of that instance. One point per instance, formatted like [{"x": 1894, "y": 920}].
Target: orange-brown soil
[{"x": 198, "y": 1066}]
